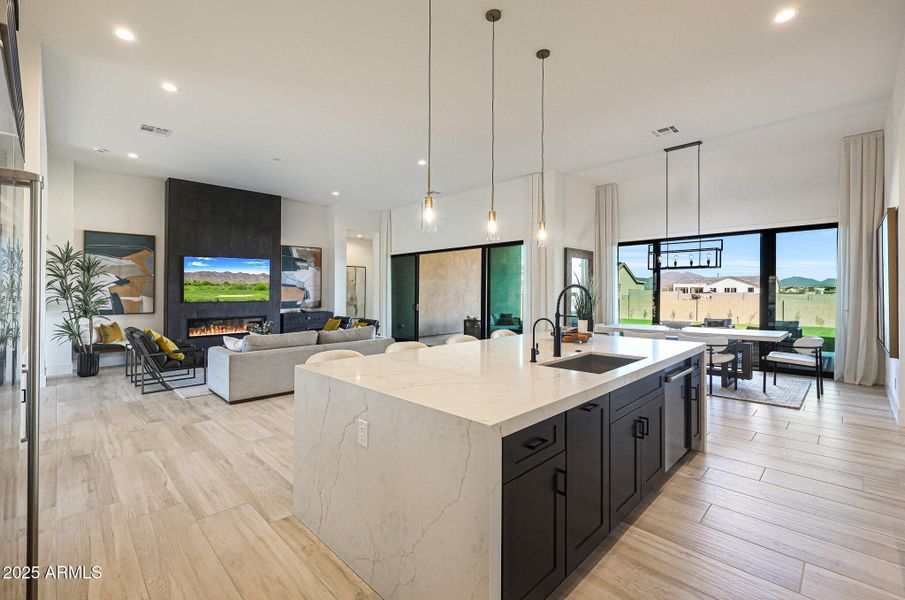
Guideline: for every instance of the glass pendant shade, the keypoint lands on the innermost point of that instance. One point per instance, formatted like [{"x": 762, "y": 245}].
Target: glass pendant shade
[
  {"x": 493, "y": 228},
  {"x": 541, "y": 237},
  {"x": 428, "y": 215}
]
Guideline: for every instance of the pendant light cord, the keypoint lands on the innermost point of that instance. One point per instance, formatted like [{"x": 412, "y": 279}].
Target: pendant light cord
[
  {"x": 543, "y": 203},
  {"x": 430, "y": 47},
  {"x": 492, "y": 113}
]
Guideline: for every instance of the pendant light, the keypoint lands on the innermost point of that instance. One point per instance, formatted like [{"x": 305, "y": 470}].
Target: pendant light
[
  {"x": 428, "y": 216},
  {"x": 541, "y": 237},
  {"x": 493, "y": 229}
]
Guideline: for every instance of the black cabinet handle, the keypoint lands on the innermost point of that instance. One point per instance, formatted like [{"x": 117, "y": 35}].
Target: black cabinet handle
[
  {"x": 646, "y": 430},
  {"x": 535, "y": 443},
  {"x": 560, "y": 482},
  {"x": 637, "y": 429},
  {"x": 589, "y": 407}
]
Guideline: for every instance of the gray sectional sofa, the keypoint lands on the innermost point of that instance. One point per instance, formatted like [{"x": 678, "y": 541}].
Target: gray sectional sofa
[{"x": 264, "y": 364}]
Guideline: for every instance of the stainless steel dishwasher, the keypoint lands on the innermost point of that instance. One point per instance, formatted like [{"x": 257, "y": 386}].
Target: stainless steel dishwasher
[{"x": 676, "y": 386}]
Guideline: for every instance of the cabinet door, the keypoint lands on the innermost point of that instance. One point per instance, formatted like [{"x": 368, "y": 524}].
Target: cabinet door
[
  {"x": 534, "y": 531},
  {"x": 625, "y": 465},
  {"x": 587, "y": 486},
  {"x": 653, "y": 460}
]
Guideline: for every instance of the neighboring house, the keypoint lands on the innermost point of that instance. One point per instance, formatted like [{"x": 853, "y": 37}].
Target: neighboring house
[
  {"x": 628, "y": 281},
  {"x": 719, "y": 285}
]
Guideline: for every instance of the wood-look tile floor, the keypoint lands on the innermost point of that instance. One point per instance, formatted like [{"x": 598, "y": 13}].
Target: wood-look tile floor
[{"x": 192, "y": 498}]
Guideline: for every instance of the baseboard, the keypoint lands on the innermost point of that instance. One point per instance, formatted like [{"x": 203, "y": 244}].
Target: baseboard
[{"x": 59, "y": 370}]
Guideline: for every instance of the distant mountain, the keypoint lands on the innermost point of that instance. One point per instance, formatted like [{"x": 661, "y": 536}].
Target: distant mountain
[
  {"x": 806, "y": 282},
  {"x": 226, "y": 277}
]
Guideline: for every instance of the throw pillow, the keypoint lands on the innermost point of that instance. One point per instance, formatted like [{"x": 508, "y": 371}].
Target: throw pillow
[
  {"x": 111, "y": 333},
  {"x": 166, "y": 345},
  {"x": 332, "y": 325},
  {"x": 360, "y": 324},
  {"x": 505, "y": 319},
  {"x": 233, "y": 343},
  {"x": 354, "y": 334}
]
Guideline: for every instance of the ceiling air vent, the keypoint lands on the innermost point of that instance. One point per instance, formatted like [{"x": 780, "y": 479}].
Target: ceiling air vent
[
  {"x": 669, "y": 130},
  {"x": 154, "y": 130}
]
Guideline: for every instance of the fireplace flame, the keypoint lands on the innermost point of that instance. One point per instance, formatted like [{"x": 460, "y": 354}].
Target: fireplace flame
[{"x": 224, "y": 328}]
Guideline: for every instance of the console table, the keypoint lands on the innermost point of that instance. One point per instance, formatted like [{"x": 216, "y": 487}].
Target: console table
[{"x": 304, "y": 320}]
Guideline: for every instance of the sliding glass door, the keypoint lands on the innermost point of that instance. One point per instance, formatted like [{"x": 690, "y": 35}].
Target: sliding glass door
[
  {"x": 404, "y": 290},
  {"x": 805, "y": 286}
]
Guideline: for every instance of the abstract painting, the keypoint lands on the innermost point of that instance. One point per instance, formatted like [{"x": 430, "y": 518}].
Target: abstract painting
[
  {"x": 300, "y": 280},
  {"x": 128, "y": 277}
]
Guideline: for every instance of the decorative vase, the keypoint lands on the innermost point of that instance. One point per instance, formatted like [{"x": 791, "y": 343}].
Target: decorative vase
[
  {"x": 88, "y": 364},
  {"x": 582, "y": 325}
]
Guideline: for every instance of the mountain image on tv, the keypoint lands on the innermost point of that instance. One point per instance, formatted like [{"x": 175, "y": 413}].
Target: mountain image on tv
[{"x": 207, "y": 279}]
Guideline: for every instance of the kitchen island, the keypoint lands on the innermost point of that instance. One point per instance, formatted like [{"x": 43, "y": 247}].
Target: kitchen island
[{"x": 466, "y": 471}]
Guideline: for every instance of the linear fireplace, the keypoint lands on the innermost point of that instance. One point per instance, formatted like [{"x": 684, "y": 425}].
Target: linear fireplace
[{"x": 224, "y": 326}]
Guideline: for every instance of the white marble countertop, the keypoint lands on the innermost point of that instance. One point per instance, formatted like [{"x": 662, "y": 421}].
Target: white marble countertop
[{"x": 492, "y": 382}]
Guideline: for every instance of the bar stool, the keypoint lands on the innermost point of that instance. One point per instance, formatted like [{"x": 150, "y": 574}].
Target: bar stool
[
  {"x": 498, "y": 333},
  {"x": 402, "y": 346},
  {"x": 332, "y": 355},
  {"x": 459, "y": 338}
]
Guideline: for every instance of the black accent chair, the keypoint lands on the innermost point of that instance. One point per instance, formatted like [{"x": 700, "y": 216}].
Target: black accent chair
[{"x": 152, "y": 368}]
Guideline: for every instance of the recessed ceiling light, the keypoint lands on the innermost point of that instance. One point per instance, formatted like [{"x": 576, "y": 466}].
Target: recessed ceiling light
[
  {"x": 132, "y": 155},
  {"x": 422, "y": 162},
  {"x": 169, "y": 87},
  {"x": 335, "y": 193},
  {"x": 124, "y": 34},
  {"x": 786, "y": 14}
]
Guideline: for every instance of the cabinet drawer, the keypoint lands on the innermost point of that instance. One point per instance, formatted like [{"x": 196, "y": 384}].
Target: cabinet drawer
[
  {"x": 627, "y": 395},
  {"x": 525, "y": 449}
]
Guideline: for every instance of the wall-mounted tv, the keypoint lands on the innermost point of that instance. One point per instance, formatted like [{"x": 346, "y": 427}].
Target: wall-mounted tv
[{"x": 219, "y": 279}]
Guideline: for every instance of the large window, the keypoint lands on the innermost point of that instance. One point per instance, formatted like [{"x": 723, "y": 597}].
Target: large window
[
  {"x": 806, "y": 283},
  {"x": 797, "y": 266},
  {"x": 730, "y": 293},
  {"x": 636, "y": 285}
]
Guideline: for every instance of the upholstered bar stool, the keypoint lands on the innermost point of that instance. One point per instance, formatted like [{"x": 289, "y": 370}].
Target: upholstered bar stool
[
  {"x": 498, "y": 333},
  {"x": 332, "y": 355},
  {"x": 459, "y": 338},
  {"x": 402, "y": 346}
]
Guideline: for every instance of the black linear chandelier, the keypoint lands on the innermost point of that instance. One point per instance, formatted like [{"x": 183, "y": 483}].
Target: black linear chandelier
[{"x": 696, "y": 253}]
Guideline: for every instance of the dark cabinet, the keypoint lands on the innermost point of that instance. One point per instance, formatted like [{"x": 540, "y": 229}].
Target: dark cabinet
[
  {"x": 652, "y": 448},
  {"x": 636, "y": 457},
  {"x": 304, "y": 320},
  {"x": 534, "y": 531},
  {"x": 625, "y": 465},
  {"x": 587, "y": 486}
]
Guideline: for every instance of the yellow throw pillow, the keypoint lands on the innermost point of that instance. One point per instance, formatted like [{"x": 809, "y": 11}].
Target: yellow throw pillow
[
  {"x": 111, "y": 333},
  {"x": 332, "y": 325},
  {"x": 360, "y": 324},
  {"x": 166, "y": 345}
]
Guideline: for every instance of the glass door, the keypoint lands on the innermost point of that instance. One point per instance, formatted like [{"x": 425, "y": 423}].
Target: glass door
[
  {"x": 805, "y": 287},
  {"x": 404, "y": 294},
  {"x": 505, "y": 288}
]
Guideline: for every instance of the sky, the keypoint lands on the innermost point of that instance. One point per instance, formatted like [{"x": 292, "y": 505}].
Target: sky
[
  {"x": 192, "y": 264},
  {"x": 801, "y": 253}
]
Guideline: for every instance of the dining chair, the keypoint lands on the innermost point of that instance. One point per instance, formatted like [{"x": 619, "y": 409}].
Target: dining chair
[
  {"x": 721, "y": 352},
  {"x": 806, "y": 351}
]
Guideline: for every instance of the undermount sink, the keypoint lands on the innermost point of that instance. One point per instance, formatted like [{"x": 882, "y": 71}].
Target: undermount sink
[{"x": 592, "y": 362}]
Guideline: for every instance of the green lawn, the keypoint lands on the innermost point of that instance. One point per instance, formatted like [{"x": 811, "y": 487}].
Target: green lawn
[{"x": 205, "y": 291}]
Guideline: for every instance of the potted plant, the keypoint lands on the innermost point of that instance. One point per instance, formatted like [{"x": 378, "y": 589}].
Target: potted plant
[
  {"x": 585, "y": 305},
  {"x": 73, "y": 283}
]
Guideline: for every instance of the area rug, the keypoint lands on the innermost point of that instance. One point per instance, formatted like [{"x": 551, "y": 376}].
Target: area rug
[{"x": 788, "y": 392}]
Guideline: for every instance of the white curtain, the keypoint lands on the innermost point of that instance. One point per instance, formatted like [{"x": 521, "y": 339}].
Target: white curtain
[
  {"x": 384, "y": 292},
  {"x": 539, "y": 276},
  {"x": 607, "y": 242},
  {"x": 861, "y": 173}
]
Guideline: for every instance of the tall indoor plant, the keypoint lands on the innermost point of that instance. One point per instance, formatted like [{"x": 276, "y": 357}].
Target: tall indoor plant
[
  {"x": 73, "y": 283},
  {"x": 585, "y": 304}
]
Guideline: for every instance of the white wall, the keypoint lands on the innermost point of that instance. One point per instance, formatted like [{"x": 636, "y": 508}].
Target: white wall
[
  {"x": 306, "y": 225},
  {"x": 894, "y": 137},
  {"x": 774, "y": 176}
]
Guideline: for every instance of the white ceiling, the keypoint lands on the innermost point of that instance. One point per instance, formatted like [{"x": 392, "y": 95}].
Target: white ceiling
[{"x": 337, "y": 89}]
